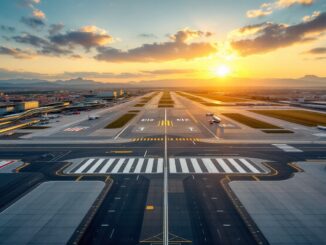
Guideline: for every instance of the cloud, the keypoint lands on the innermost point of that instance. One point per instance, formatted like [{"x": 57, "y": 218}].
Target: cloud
[
  {"x": 15, "y": 52},
  {"x": 7, "y": 28},
  {"x": 186, "y": 35},
  {"x": 33, "y": 22},
  {"x": 76, "y": 56},
  {"x": 289, "y": 3},
  {"x": 308, "y": 18},
  {"x": 54, "y": 29},
  {"x": 168, "y": 71},
  {"x": 38, "y": 14},
  {"x": 320, "y": 50},
  {"x": 43, "y": 46},
  {"x": 147, "y": 35},
  {"x": 12, "y": 74},
  {"x": 177, "y": 48},
  {"x": 264, "y": 10},
  {"x": 268, "y": 8},
  {"x": 87, "y": 37},
  {"x": 29, "y": 3},
  {"x": 33, "y": 40},
  {"x": 267, "y": 37}
]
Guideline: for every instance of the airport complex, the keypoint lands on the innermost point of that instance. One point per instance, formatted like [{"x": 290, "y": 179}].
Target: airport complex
[
  {"x": 164, "y": 167},
  {"x": 143, "y": 122}
]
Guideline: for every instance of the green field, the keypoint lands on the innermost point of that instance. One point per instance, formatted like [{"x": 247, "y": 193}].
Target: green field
[
  {"x": 121, "y": 121},
  {"x": 223, "y": 98},
  {"x": 306, "y": 118},
  {"x": 139, "y": 105},
  {"x": 250, "y": 122}
]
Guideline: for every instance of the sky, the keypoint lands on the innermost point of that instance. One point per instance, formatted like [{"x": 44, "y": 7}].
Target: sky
[{"x": 136, "y": 40}]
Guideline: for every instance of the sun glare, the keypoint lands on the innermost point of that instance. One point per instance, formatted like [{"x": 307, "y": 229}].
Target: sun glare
[{"x": 222, "y": 70}]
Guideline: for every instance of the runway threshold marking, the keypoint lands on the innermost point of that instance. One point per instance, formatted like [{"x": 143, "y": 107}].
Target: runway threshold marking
[
  {"x": 168, "y": 139},
  {"x": 165, "y": 123},
  {"x": 183, "y": 165}
]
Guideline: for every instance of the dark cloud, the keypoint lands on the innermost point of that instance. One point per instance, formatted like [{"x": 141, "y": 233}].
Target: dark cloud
[
  {"x": 15, "y": 52},
  {"x": 7, "y": 28},
  {"x": 269, "y": 36},
  {"x": 177, "y": 48},
  {"x": 168, "y": 71},
  {"x": 54, "y": 29},
  {"x": 76, "y": 56},
  {"x": 147, "y": 35},
  {"x": 101, "y": 75},
  {"x": 33, "y": 40},
  {"x": 43, "y": 46},
  {"x": 87, "y": 37},
  {"x": 320, "y": 50},
  {"x": 11, "y": 74},
  {"x": 33, "y": 22}
]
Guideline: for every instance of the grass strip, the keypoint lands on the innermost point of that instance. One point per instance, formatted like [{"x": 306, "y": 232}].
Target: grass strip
[
  {"x": 121, "y": 121},
  {"x": 139, "y": 105},
  {"x": 277, "y": 131},
  {"x": 162, "y": 106},
  {"x": 306, "y": 118},
  {"x": 250, "y": 122}
]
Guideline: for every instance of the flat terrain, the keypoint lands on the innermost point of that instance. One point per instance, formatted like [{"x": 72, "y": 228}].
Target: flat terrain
[{"x": 163, "y": 164}]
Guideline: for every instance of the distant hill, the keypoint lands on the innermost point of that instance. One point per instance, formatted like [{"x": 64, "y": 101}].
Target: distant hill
[
  {"x": 36, "y": 84},
  {"x": 308, "y": 81}
]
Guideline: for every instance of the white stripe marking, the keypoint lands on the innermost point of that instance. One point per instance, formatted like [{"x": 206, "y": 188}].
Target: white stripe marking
[
  {"x": 129, "y": 165},
  {"x": 95, "y": 166},
  {"x": 209, "y": 165},
  {"x": 248, "y": 165},
  {"x": 236, "y": 165},
  {"x": 172, "y": 166},
  {"x": 160, "y": 165},
  {"x": 118, "y": 166},
  {"x": 184, "y": 167},
  {"x": 225, "y": 167},
  {"x": 139, "y": 165},
  {"x": 85, "y": 165},
  {"x": 196, "y": 165},
  {"x": 149, "y": 165},
  {"x": 106, "y": 166}
]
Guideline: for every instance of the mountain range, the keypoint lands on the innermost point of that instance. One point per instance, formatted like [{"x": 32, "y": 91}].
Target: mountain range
[{"x": 308, "y": 81}]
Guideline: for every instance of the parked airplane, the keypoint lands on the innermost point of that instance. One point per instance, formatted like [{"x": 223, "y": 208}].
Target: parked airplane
[
  {"x": 321, "y": 127},
  {"x": 93, "y": 117}
]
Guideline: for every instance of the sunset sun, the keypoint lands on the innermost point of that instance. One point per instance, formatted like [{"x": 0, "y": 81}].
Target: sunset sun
[{"x": 222, "y": 70}]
